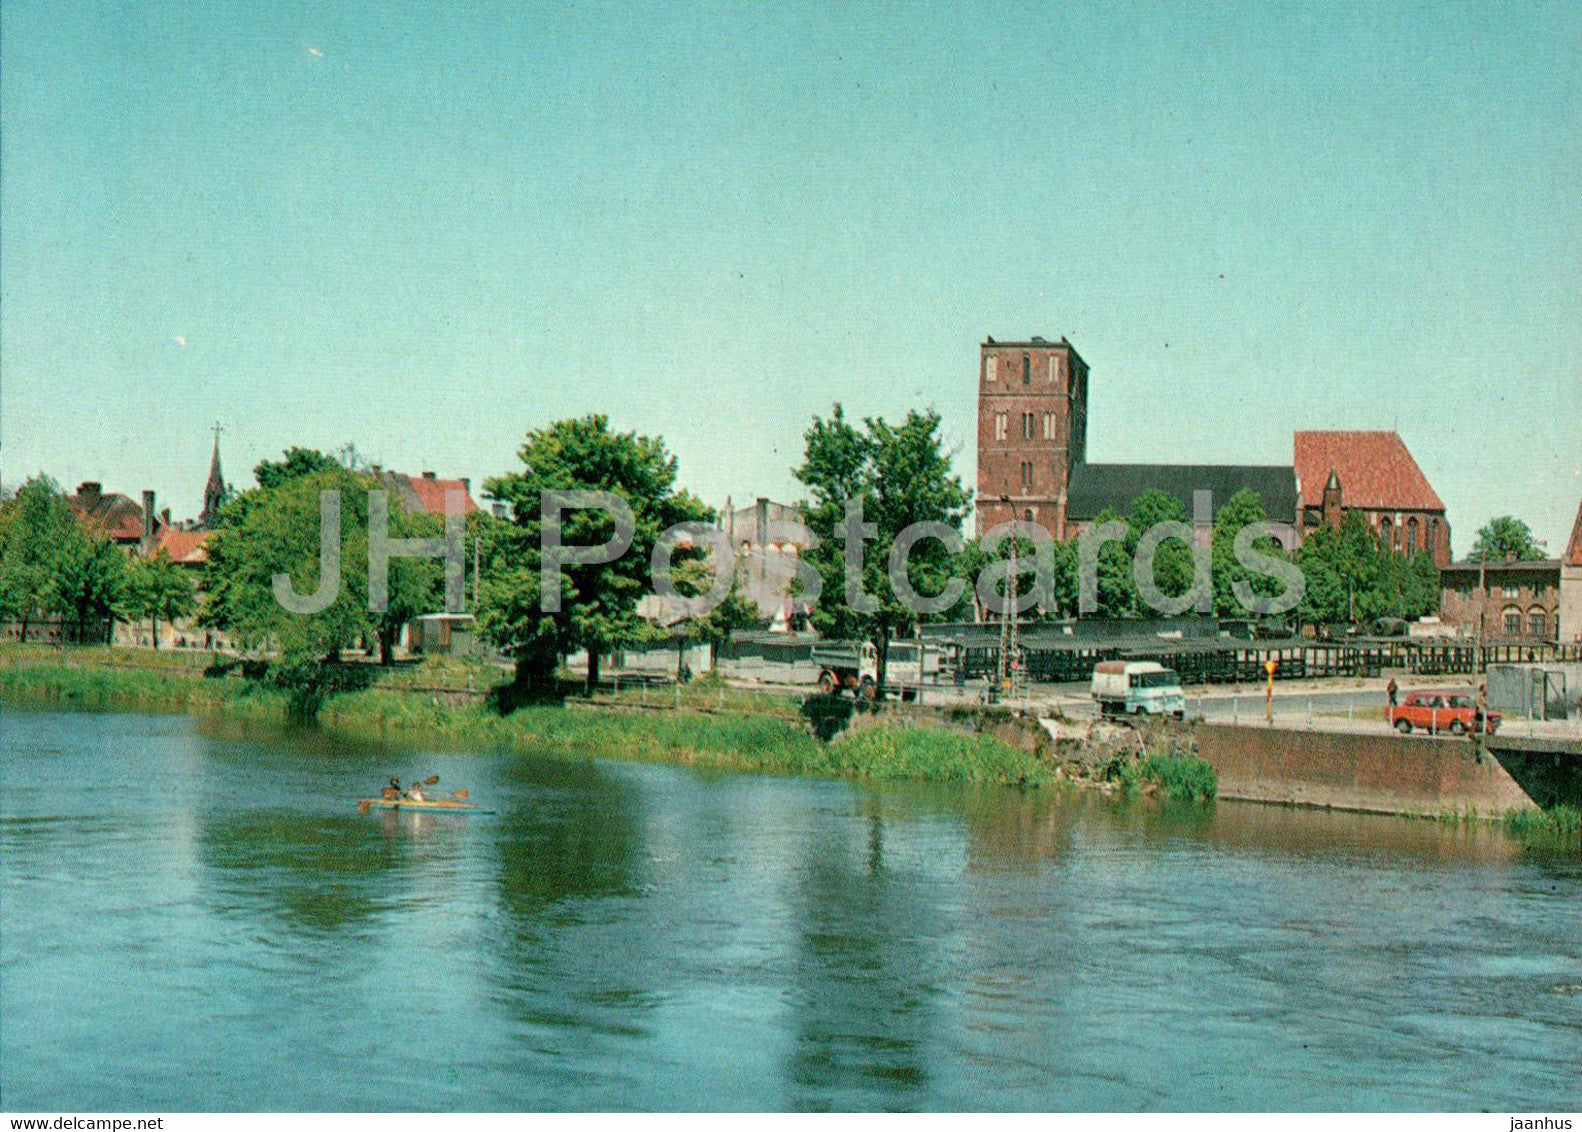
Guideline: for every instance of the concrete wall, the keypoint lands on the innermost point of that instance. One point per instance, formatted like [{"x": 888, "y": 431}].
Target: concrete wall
[
  {"x": 1381, "y": 773},
  {"x": 1571, "y": 604}
]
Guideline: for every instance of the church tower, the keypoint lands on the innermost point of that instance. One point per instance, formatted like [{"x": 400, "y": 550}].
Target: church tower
[
  {"x": 1333, "y": 507},
  {"x": 215, "y": 493},
  {"x": 1032, "y": 429}
]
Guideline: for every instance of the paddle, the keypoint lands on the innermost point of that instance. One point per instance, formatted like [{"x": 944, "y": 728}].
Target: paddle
[{"x": 431, "y": 780}]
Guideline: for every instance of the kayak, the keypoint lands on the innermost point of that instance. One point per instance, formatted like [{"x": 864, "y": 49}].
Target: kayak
[{"x": 440, "y": 805}]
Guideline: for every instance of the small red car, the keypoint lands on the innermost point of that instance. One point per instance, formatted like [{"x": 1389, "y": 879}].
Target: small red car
[{"x": 1444, "y": 710}]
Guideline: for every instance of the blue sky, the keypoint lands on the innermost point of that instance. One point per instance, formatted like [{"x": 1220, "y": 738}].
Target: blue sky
[{"x": 429, "y": 230}]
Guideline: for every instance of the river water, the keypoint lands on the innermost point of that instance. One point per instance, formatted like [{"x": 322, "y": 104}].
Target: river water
[{"x": 194, "y": 916}]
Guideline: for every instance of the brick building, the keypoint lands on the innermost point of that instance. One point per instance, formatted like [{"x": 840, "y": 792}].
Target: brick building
[
  {"x": 1374, "y": 473},
  {"x": 1032, "y": 428},
  {"x": 1514, "y": 601},
  {"x": 1032, "y": 451}
]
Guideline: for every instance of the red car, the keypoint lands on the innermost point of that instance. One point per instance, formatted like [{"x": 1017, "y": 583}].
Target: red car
[{"x": 1444, "y": 710}]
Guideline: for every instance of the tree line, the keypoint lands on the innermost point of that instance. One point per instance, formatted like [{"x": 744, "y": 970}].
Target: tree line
[{"x": 53, "y": 566}]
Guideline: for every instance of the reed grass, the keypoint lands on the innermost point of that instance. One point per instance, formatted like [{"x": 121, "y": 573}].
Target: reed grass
[{"x": 1564, "y": 822}]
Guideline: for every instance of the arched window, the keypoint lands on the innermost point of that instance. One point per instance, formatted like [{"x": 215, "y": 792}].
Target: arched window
[
  {"x": 1431, "y": 536},
  {"x": 1411, "y": 536},
  {"x": 1537, "y": 622},
  {"x": 1027, "y": 370},
  {"x": 1027, "y": 516},
  {"x": 1387, "y": 533},
  {"x": 1511, "y": 620}
]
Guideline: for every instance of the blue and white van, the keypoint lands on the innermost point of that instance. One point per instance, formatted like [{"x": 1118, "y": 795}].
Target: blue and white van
[{"x": 1137, "y": 687}]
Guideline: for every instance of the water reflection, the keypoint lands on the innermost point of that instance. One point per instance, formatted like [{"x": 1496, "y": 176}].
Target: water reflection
[{"x": 860, "y": 1003}]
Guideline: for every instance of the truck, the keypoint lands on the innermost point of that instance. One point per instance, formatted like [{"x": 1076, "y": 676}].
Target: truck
[
  {"x": 854, "y": 666},
  {"x": 1137, "y": 687}
]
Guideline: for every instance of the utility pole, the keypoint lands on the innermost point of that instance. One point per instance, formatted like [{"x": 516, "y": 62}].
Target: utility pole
[{"x": 1481, "y": 727}]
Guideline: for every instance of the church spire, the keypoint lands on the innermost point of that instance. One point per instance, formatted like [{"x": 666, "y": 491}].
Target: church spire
[{"x": 214, "y": 492}]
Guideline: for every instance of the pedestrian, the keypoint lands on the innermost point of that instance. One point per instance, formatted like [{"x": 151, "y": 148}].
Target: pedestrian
[{"x": 1394, "y": 690}]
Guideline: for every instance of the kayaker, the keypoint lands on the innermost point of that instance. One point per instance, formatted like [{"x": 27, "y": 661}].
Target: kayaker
[
  {"x": 391, "y": 792},
  {"x": 414, "y": 793}
]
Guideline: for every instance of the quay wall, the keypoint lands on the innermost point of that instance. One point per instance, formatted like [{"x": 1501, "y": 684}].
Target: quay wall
[{"x": 1381, "y": 773}]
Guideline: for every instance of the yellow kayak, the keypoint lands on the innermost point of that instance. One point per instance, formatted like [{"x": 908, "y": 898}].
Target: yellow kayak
[{"x": 440, "y": 805}]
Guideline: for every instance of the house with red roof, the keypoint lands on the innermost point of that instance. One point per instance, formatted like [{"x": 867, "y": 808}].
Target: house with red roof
[
  {"x": 425, "y": 493},
  {"x": 111, "y": 514},
  {"x": 1373, "y": 473},
  {"x": 184, "y": 547}
]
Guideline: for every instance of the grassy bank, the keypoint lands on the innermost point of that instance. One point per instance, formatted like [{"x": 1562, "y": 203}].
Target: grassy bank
[
  {"x": 412, "y": 706},
  {"x": 146, "y": 680}
]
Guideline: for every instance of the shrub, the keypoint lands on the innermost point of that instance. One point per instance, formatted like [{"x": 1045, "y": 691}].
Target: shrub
[{"x": 1186, "y": 777}]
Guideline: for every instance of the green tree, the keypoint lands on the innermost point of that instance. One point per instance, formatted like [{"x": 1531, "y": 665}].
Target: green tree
[
  {"x": 1173, "y": 562},
  {"x": 1325, "y": 600},
  {"x": 1241, "y": 510},
  {"x": 1504, "y": 537},
  {"x": 901, "y": 475},
  {"x": 158, "y": 589},
  {"x": 1117, "y": 576},
  {"x": 38, "y": 523},
  {"x": 598, "y": 601},
  {"x": 714, "y": 628},
  {"x": 1353, "y": 577},
  {"x": 1422, "y": 587},
  {"x": 294, "y": 464},
  {"x": 276, "y": 530},
  {"x": 88, "y": 575}
]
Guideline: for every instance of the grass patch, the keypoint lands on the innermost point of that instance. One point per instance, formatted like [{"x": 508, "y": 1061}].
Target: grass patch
[{"x": 935, "y": 755}]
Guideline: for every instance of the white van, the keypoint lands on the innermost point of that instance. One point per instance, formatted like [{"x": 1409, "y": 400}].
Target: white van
[{"x": 1137, "y": 687}]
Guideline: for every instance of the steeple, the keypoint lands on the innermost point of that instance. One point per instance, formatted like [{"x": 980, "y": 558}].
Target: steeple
[
  {"x": 1333, "y": 504},
  {"x": 214, "y": 492}
]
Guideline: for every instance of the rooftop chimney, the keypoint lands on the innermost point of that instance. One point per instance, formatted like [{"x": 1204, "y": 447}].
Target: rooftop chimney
[
  {"x": 90, "y": 490},
  {"x": 428, "y": 475},
  {"x": 148, "y": 517}
]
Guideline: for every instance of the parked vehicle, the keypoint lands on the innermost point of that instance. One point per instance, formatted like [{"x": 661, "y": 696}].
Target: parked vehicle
[
  {"x": 854, "y": 667},
  {"x": 1137, "y": 687},
  {"x": 1440, "y": 710}
]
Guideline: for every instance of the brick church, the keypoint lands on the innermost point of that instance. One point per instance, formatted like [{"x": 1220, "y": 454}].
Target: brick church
[{"x": 1033, "y": 466}]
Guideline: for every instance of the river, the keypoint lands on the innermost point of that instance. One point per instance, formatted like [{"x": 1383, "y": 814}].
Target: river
[{"x": 195, "y": 917}]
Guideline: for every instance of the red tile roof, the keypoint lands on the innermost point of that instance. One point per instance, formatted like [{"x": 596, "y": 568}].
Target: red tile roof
[
  {"x": 1573, "y": 554},
  {"x": 431, "y": 494},
  {"x": 427, "y": 491},
  {"x": 108, "y": 513},
  {"x": 1375, "y": 471},
  {"x": 187, "y": 548}
]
